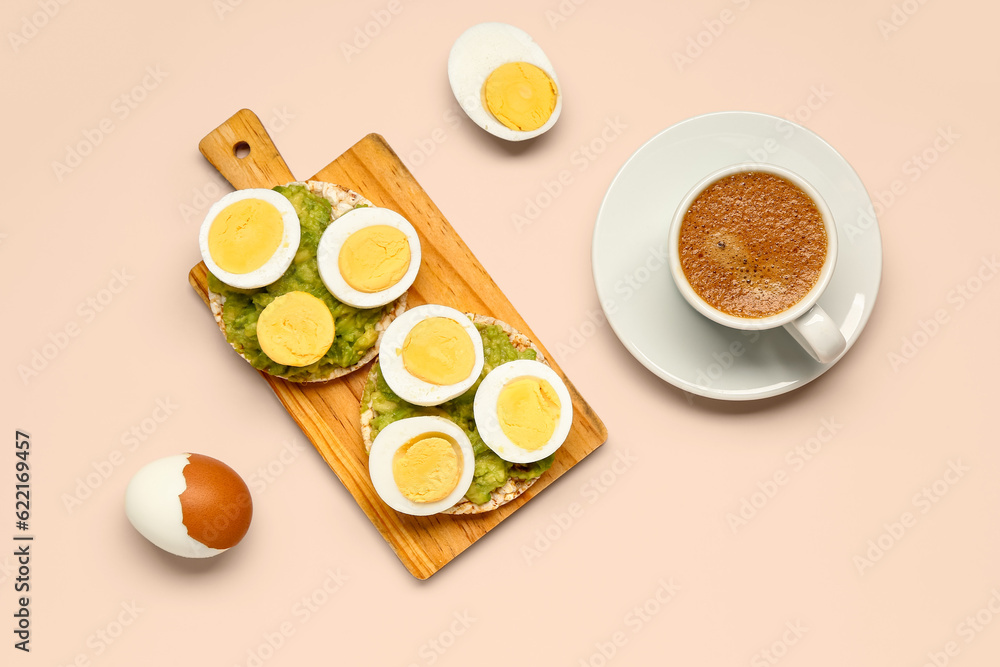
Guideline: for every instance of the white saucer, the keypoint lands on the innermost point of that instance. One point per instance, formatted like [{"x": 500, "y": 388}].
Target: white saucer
[{"x": 633, "y": 280}]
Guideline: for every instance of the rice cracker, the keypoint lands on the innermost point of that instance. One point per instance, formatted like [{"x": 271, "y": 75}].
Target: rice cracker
[
  {"x": 513, "y": 487},
  {"x": 342, "y": 201}
]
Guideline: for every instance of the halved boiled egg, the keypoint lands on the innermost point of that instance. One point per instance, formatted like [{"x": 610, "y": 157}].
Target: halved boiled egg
[
  {"x": 369, "y": 256},
  {"x": 523, "y": 411},
  {"x": 421, "y": 465},
  {"x": 249, "y": 237},
  {"x": 431, "y": 354},
  {"x": 504, "y": 81},
  {"x": 189, "y": 504}
]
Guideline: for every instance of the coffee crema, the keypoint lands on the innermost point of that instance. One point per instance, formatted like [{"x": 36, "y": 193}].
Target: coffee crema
[{"x": 752, "y": 244}]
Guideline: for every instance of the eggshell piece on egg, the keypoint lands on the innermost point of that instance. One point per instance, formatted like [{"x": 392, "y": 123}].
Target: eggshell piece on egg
[
  {"x": 189, "y": 505},
  {"x": 216, "y": 503}
]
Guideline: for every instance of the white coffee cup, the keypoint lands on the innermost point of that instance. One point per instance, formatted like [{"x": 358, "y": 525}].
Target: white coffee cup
[{"x": 805, "y": 320}]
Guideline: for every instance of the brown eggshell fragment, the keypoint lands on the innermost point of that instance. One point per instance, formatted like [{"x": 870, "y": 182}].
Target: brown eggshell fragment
[{"x": 216, "y": 504}]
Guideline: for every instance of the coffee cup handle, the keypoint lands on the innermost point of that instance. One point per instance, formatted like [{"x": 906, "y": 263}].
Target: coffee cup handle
[{"x": 818, "y": 334}]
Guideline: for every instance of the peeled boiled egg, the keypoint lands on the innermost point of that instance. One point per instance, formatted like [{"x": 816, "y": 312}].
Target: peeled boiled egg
[
  {"x": 189, "y": 504},
  {"x": 431, "y": 354},
  {"x": 249, "y": 237},
  {"x": 421, "y": 465},
  {"x": 369, "y": 256},
  {"x": 523, "y": 411},
  {"x": 504, "y": 81}
]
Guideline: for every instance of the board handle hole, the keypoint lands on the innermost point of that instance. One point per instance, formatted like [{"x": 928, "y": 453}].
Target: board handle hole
[{"x": 241, "y": 150}]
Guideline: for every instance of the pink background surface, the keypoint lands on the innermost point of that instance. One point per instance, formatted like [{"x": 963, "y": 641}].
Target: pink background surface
[{"x": 102, "y": 595}]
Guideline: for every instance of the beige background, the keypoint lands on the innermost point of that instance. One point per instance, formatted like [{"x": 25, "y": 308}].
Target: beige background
[{"x": 615, "y": 531}]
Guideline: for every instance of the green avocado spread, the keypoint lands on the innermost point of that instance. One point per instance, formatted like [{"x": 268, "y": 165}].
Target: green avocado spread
[
  {"x": 491, "y": 472},
  {"x": 355, "y": 328}
]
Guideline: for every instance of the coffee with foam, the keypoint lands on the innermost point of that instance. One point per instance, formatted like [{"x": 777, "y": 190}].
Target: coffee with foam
[{"x": 752, "y": 244}]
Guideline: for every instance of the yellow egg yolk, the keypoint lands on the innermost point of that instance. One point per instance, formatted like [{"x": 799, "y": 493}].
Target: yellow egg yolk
[
  {"x": 520, "y": 95},
  {"x": 528, "y": 411},
  {"x": 245, "y": 235},
  {"x": 374, "y": 258},
  {"x": 438, "y": 350},
  {"x": 296, "y": 329},
  {"x": 427, "y": 470}
]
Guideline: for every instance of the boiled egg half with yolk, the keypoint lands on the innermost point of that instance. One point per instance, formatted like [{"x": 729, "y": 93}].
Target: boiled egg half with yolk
[
  {"x": 189, "y": 504},
  {"x": 523, "y": 411},
  {"x": 421, "y": 465},
  {"x": 431, "y": 354},
  {"x": 369, "y": 256},
  {"x": 504, "y": 81},
  {"x": 249, "y": 237}
]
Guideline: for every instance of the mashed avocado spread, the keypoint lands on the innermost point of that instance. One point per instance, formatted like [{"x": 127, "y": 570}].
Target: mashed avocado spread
[
  {"x": 491, "y": 472},
  {"x": 355, "y": 328}
]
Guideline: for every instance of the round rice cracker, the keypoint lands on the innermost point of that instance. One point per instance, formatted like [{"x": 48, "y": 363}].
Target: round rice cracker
[
  {"x": 513, "y": 487},
  {"x": 342, "y": 200}
]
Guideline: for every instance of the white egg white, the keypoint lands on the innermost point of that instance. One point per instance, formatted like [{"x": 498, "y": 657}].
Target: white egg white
[
  {"x": 334, "y": 236},
  {"x": 488, "y": 423},
  {"x": 401, "y": 432},
  {"x": 410, "y": 388},
  {"x": 480, "y": 50},
  {"x": 282, "y": 258},
  {"x": 153, "y": 507}
]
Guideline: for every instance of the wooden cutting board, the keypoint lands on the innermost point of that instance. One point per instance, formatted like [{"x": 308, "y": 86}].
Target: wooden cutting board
[{"x": 449, "y": 274}]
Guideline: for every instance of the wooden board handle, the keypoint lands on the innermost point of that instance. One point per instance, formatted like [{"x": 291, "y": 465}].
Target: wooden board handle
[{"x": 244, "y": 154}]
